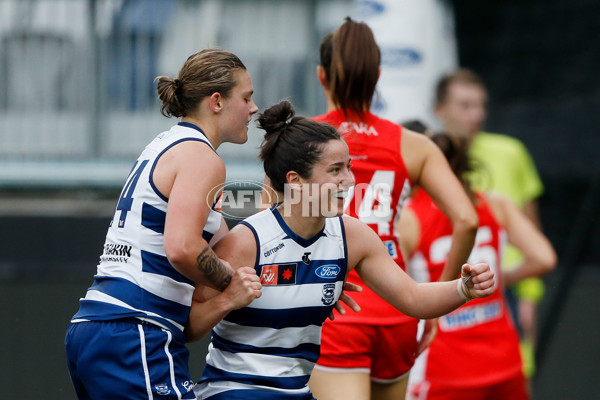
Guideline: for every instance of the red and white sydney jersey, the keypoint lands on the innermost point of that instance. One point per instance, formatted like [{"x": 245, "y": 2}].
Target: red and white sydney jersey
[
  {"x": 479, "y": 335},
  {"x": 382, "y": 185}
]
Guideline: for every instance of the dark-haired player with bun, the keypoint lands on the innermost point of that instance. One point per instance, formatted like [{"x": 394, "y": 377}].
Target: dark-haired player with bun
[
  {"x": 127, "y": 341},
  {"x": 368, "y": 355},
  {"x": 302, "y": 250}
]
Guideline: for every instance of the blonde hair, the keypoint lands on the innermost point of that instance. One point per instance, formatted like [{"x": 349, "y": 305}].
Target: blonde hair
[{"x": 203, "y": 73}]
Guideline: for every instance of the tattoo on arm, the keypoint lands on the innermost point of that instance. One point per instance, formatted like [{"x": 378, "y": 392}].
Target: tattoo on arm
[{"x": 214, "y": 271}]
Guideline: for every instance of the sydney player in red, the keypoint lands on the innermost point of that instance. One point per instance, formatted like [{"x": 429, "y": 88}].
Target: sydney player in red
[
  {"x": 369, "y": 354},
  {"x": 480, "y": 334}
]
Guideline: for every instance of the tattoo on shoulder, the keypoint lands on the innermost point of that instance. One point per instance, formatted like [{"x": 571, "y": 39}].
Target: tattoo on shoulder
[{"x": 214, "y": 271}]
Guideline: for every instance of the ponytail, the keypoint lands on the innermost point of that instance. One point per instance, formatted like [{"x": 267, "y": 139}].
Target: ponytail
[{"x": 350, "y": 58}]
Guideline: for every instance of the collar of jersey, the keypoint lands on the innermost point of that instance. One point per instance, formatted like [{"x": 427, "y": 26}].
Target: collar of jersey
[
  {"x": 190, "y": 125},
  {"x": 292, "y": 235}
]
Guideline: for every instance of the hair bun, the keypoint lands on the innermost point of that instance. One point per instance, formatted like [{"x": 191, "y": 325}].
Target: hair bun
[
  {"x": 274, "y": 121},
  {"x": 275, "y": 118}
]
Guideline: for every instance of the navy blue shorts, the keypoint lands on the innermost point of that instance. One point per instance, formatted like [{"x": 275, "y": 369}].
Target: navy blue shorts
[{"x": 127, "y": 359}]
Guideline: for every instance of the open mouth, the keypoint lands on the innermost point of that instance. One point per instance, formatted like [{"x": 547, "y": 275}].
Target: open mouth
[{"x": 341, "y": 195}]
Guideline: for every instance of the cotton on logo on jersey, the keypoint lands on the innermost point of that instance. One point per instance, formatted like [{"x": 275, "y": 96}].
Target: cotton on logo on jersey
[
  {"x": 278, "y": 274},
  {"x": 274, "y": 250},
  {"x": 188, "y": 385}
]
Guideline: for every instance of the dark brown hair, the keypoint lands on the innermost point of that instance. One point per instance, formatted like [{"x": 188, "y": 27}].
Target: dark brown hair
[
  {"x": 350, "y": 57},
  {"x": 291, "y": 143},
  {"x": 462, "y": 75},
  {"x": 415, "y": 125},
  {"x": 203, "y": 73}
]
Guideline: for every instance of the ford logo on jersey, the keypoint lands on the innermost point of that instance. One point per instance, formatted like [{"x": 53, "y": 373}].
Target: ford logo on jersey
[{"x": 328, "y": 271}]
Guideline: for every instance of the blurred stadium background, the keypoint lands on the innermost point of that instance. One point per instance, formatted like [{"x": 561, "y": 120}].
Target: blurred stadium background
[{"x": 77, "y": 105}]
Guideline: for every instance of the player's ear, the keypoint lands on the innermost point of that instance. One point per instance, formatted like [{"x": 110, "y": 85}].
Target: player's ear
[
  {"x": 321, "y": 75},
  {"x": 215, "y": 102},
  {"x": 294, "y": 180}
]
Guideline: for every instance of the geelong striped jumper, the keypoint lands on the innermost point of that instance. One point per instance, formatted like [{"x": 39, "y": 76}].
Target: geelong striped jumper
[
  {"x": 134, "y": 277},
  {"x": 268, "y": 349}
]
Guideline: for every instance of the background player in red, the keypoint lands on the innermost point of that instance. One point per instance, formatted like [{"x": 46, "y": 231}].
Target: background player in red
[
  {"x": 369, "y": 354},
  {"x": 507, "y": 167},
  {"x": 481, "y": 334}
]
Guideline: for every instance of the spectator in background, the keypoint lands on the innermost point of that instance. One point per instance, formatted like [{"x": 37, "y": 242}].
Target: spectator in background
[
  {"x": 481, "y": 334},
  {"x": 505, "y": 167}
]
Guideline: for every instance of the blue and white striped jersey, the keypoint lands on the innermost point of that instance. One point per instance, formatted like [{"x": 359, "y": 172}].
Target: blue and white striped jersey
[
  {"x": 134, "y": 277},
  {"x": 269, "y": 348}
]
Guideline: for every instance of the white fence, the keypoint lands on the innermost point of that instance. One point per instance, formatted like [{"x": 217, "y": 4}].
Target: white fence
[{"x": 77, "y": 98}]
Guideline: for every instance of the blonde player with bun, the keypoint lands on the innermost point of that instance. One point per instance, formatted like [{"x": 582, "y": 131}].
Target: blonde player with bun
[{"x": 127, "y": 341}]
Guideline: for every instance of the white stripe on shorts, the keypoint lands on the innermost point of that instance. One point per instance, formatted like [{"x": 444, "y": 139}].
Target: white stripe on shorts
[
  {"x": 171, "y": 367},
  {"x": 144, "y": 363}
]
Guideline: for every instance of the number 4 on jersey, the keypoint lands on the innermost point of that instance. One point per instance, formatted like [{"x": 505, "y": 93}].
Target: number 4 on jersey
[
  {"x": 126, "y": 199},
  {"x": 376, "y": 204}
]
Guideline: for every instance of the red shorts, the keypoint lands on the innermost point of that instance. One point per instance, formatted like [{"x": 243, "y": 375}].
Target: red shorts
[
  {"x": 512, "y": 388},
  {"x": 387, "y": 352}
]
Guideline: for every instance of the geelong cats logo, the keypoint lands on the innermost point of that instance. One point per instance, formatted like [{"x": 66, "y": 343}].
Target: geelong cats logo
[{"x": 328, "y": 294}]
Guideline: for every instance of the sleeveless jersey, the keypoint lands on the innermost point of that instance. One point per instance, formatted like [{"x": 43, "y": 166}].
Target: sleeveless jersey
[
  {"x": 382, "y": 185},
  {"x": 268, "y": 349},
  {"x": 480, "y": 335},
  {"x": 134, "y": 277}
]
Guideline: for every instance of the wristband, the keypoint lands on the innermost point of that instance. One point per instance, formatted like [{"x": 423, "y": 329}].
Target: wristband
[{"x": 463, "y": 290}]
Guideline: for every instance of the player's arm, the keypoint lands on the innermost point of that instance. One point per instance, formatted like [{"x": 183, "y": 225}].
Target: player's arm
[
  {"x": 223, "y": 230},
  {"x": 409, "y": 232},
  {"x": 531, "y": 183},
  {"x": 531, "y": 210},
  {"x": 187, "y": 174},
  {"x": 428, "y": 168},
  {"x": 368, "y": 255},
  {"x": 539, "y": 257},
  {"x": 210, "y": 306}
]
